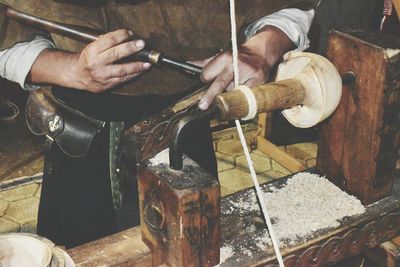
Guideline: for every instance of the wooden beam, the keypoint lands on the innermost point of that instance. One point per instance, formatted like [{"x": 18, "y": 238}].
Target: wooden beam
[{"x": 279, "y": 156}]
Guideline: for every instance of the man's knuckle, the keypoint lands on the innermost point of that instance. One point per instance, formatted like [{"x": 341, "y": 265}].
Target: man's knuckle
[
  {"x": 116, "y": 53},
  {"x": 129, "y": 46},
  {"x": 205, "y": 76},
  {"x": 97, "y": 75},
  {"x": 90, "y": 63},
  {"x": 222, "y": 81},
  {"x": 122, "y": 72},
  {"x": 138, "y": 67},
  {"x": 112, "y": 39},
  {"x": 123, "y": 79}
]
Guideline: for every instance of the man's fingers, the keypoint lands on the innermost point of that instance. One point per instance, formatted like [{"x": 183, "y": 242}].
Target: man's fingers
[
  {"x": 215, "y": 66},
  {"x": 217, "y": 87},
  {"x": 120, "y": 70},
  {"x": 121, "y": 51},
  {"x": 111, "y": 39},
  {"x": 118, "y": 80},
  {"x": 202, "y": 63}
]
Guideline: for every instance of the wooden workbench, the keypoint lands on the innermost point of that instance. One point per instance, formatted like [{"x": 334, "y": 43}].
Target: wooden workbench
[{"x": 355, "y": 235}]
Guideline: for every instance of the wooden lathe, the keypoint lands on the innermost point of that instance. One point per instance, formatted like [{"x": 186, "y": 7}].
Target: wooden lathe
[{"x": 182, "y": 222}]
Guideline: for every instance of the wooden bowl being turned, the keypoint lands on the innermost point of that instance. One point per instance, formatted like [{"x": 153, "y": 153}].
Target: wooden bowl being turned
[{"x": 18, "y": 250}]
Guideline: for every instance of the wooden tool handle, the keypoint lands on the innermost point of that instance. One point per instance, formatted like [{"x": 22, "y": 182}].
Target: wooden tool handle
[{"x": 272, "y": 96}]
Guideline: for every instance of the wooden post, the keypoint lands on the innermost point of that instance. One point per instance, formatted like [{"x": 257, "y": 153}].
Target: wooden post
[
  {"x": 359, "y": 144},
  {"x": 180, "y": 215}
]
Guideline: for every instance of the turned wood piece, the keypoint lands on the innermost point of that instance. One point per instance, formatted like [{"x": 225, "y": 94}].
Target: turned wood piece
[
  {"x": 307, "y": 87},
  {"x": 272, "y": 96},
  {"x": 359, "y": 144},
  {"x": 180, "y": 215}
]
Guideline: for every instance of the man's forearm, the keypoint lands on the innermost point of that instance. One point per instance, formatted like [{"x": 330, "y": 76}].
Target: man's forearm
[
  {"x": 94, "y": 69},
  {"x": 55, "y": 67},
  {"x": 295, "y": 23},
  {"x": 271, "y": 44}
]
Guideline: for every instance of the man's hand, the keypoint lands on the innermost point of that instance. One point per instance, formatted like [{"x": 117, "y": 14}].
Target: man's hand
[
  {"x": 96, "y": 68},
  {"x": 256, "y": 58}
]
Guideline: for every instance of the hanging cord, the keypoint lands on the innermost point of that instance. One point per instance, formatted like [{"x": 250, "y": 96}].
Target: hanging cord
[{"x": 243, "y": 140}]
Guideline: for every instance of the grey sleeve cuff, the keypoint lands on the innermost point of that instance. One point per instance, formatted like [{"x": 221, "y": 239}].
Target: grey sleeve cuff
[
  {"x": 295, "y": 23},
  {"x": 17, "y": 61}
]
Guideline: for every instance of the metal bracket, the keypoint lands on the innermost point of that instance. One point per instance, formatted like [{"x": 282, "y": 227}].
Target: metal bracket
[{"x": 175, "y": 152}]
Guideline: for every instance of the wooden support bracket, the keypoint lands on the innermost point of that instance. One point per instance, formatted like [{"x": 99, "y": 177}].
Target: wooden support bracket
[{"x": 359, "y": 144}]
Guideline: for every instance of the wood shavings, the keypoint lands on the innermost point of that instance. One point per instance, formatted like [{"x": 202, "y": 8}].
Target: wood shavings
[
  {"x": 300, "y": 209},
  {"x": 308, "y": 203},
  {"x": 160, "y": 158},
  {"x": 391, "y": 52},
  {"x": 225, "y": 253}
]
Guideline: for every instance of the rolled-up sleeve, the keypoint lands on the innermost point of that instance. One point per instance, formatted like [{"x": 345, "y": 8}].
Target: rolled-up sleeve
[
  {"x": 295, "y": 23},
  {"x": 17, "y": 61}
]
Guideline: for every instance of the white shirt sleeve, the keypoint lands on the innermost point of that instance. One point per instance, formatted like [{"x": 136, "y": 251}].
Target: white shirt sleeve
[
  {"x": 16, "y": 62},
  {"x": 295, "y": 23}
]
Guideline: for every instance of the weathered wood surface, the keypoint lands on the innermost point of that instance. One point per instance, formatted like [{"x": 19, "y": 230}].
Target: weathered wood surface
[
  {"x": 121, "y": 249},
  {"x": 180, "y": 214},
  {"x": 359, "y": 143},
  {"x": 380, "y": 223}
]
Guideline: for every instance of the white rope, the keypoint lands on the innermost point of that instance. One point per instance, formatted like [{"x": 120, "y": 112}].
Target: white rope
[
  {"x": 234, "y": 43},
  {"x": 243, "y": 140}
]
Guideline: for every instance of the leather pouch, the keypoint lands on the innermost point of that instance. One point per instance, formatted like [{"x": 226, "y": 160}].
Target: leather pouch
[{"x": 70, "y": 129}]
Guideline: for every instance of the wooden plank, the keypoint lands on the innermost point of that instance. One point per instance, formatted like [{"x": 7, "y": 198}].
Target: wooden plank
[
  {"x": 278, "y": 155},
  {"x": 359, "y": 143},
  {"x": 262, "y": 124},
  {"x": 265, "y": 124},
  {"x": 121, "y": 249}
]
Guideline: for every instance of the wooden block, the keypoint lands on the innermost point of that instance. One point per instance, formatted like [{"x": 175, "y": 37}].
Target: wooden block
[
  {"x": 180, "y": 215},
  {"x": 359, "y": 143}
]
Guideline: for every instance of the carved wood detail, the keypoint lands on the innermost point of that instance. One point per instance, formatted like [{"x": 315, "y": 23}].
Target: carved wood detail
[{"x": 346, "y": 244}]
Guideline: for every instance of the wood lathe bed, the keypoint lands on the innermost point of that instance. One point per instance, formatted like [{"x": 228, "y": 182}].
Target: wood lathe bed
[{"x": 355, "y": 235}]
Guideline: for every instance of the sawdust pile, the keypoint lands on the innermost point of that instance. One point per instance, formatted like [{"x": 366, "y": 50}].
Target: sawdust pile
[
  {"x": 300, "y": 209},
  {"x": 307, "y": 204}
]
